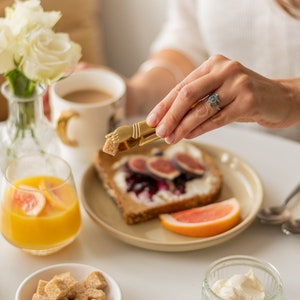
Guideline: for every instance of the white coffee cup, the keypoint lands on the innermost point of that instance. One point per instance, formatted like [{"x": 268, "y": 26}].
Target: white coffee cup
[{"x": 85, "y": 107}]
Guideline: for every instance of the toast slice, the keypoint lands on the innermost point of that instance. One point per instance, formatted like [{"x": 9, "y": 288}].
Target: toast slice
[{"x": 159, "y": 178}]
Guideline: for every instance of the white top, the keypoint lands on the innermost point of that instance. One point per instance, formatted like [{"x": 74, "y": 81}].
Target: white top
[{"x": 257, "y": 33}]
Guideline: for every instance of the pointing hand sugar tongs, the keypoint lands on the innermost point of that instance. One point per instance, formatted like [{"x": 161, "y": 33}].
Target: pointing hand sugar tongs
[{"x": 129, "y": 136}]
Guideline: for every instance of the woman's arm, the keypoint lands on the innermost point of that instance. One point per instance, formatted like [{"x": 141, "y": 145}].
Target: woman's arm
[
  {"x": 244, "y": 95},
  {"x": 147, "y": 87}
]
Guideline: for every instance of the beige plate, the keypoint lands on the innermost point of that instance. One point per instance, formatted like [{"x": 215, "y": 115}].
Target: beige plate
[{"x": 239, "y": 180}]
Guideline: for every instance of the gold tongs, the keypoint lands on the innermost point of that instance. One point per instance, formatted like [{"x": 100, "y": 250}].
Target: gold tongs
[{"x": 126, "y": 137}]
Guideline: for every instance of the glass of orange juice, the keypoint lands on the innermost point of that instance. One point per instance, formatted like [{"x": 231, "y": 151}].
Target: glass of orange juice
[{"x": 40, "y": 211}]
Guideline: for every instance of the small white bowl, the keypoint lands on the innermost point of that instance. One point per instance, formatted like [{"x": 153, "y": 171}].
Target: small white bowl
[{"x": 28, "y": 287}]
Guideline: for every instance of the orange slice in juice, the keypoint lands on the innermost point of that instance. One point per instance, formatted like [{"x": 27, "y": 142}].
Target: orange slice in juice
[
  {"x": 204, "y": 221},
  {"x": 52, "y": 195},
  {"x": 30, "y": 200}
]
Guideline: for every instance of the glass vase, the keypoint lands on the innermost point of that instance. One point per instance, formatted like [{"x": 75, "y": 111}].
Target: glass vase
[{"x": 26, "y": 130}]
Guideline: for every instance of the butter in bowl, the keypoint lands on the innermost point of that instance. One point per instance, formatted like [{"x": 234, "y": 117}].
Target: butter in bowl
[{"x": 242, "y": 277}]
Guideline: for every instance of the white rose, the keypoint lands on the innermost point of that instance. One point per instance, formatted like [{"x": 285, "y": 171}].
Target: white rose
[
  {"x": 7, "y": 45},
  {"x": 25, "y": 15},
  {"x": 47, "y": 55}
]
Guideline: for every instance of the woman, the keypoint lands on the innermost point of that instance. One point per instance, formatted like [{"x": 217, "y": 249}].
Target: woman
[{"x": 223, "y": 62}]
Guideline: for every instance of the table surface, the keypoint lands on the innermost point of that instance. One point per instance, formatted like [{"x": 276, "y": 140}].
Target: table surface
[{"x": 145, "y": 274}]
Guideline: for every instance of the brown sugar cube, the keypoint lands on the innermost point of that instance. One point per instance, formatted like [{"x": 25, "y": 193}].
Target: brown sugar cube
[
  {"x": 75, "y": 290},
  {"x": 37, "y": 296},
  {"x": 67, "y": 278},
  {"x": 40, "y": 290},
  {"x": 95, "y": 280},
  {"x": 110, "y": 147},
  {"x": 82, "y": 297},
  {"x": 95, "y": 294},
  {"x": 56, "y": 289}
]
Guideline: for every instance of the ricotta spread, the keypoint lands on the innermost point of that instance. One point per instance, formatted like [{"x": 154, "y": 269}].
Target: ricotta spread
[
  {"x": 196, "y": 186},
  {"x": 240, "y": 287}
]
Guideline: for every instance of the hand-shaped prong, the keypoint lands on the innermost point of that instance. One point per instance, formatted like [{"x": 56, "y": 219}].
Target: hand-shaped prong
[
  {"x": 126, "y": 137},
  {"x": 113, "y": 136},
  {"x": 121, "y": 134}
]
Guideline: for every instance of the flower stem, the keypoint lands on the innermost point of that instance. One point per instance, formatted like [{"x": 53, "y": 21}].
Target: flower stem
[{"x": 20, "y": 85}]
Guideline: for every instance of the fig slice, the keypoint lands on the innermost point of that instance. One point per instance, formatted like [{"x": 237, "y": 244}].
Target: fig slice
[
  {"x": 162, "y": 167},
  {"x": 189, "y": 163},
  {"x": 137, "y": 164}
]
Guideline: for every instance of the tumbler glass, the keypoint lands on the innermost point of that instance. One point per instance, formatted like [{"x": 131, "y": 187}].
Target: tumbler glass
[{"x": 40, "y": 211}]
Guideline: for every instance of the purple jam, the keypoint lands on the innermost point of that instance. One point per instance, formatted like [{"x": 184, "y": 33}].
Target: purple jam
[{"x": 141, "y": 183}]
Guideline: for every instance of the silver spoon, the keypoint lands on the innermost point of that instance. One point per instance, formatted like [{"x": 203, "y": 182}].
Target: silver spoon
[
  {"x": 292, "y": 226},
  {"x": 278, "y": 214}
]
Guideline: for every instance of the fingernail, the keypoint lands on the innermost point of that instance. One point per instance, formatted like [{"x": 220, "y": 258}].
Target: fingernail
[
  {"x": 170, "y": 139},
  {"x": 161, "y": 130},
  {"x": 151, "y": 120}
]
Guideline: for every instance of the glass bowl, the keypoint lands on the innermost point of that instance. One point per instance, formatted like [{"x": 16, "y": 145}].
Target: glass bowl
[{"x": 227, "y": 267}]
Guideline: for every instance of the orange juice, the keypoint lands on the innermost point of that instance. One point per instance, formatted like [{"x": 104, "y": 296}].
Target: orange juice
[{"x": 40, "y": 213}]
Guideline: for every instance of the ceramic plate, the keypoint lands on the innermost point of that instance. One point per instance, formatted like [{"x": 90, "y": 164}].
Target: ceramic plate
[
  {"x": 79, "y": 271},
  {"x": 239, "y": 180}
]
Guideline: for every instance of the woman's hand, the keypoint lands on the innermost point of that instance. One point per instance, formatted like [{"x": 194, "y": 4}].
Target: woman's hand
[{"x": 245, "y": 96}]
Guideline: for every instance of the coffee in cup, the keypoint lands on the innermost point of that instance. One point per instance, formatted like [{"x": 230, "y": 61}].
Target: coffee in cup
[{"x": 85, "y": 107}]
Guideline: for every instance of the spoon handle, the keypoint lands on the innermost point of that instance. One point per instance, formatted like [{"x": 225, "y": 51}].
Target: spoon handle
[
  {"x": 291, "y": 227},
  {"x": 292, "y": 194}
]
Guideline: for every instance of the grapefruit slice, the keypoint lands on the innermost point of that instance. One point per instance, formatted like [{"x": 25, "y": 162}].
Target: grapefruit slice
[
  {"x": 30, "y": 200},
  {"x": 52, "y": 195},
  {"x": 204, "y": 221}
]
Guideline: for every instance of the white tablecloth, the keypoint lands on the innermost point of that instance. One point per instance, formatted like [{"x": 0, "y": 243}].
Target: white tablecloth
[{"x": 147, "y": 275}]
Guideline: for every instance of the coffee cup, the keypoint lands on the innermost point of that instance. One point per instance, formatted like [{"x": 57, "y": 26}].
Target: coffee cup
[{"x": 85, "y": 106}]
